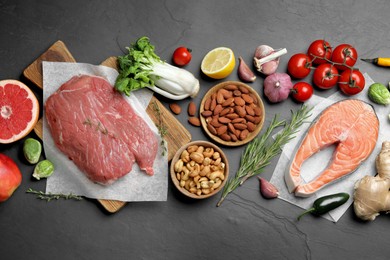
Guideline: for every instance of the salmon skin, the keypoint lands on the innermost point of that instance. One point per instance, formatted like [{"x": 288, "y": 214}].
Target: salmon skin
[{"x": 353, "y": 126}]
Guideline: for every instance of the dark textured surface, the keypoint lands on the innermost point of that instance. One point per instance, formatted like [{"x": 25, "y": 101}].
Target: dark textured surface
[{"x": 245, "y": 226}]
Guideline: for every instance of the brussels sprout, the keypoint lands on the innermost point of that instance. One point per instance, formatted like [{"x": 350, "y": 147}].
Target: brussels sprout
[
  {"x": 32, "y": 150},
  {"x": 379, "y": 94},
  {"x": 43, "y": 169}
]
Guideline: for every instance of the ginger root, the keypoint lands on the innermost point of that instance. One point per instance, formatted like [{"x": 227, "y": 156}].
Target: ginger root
[{"x": 372, "y": 195}]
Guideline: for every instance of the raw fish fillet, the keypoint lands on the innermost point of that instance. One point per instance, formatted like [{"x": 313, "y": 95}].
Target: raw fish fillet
[{"x": 351, "y": 125}]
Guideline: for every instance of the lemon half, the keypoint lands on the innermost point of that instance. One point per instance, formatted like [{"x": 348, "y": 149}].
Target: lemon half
[{"x": 218, "y": 63}]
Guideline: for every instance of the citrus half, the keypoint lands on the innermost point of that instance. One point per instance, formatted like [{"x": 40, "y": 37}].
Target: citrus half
[
  {"x": 218, "y": 63},
  {"x": 19, "y": 110}
]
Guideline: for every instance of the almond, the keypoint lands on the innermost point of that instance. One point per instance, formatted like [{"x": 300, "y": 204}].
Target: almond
[
  {"x": 249, "y": 110},
  {"x": 243, "y": 89},
  {"x": 224, "y": 120},
  {"x": 231, "y": 128},
  {"x": 225, "y": 137},
  {"x": 251, "y": 126},
  {"x": 237, "y": 93},
  {"x": 239, "y": 101},
  {"x": 248, "y": 99},
  {"x": 250, "y": 118},
  {"x": 221, "y": 130},
  {"x": 194, "y": 121},
  {"x": 207, "y": 104},
  {"x": 244, "y": 134},
  {"x": 240, "y": 111},
  {"x": 213, "y": 104},
  {"x": 240, "y": 126},
  {"x": 233, "y": 137},
  {"x": 232, "y": 116},
  {"x": 220, "y": 98},
  {"x": 225, "y": 111},
  {"x": 215, "y": 122},
  {"x": 175, "y": 108},
  {"x": 211, "y": 129},
  {"x": 226, "y": 93},
  {"x": 238, "y": 120},
  {"x": 228, "y": 102},
  {"x": 217, "y": 109},
  {"x": 258, "y": 111},
  {"x": 207, "y": 113},
  {"x": 257, "y": 119},
  {"x": 191, "y": 109},
  {"x": 231, "y": 87}
]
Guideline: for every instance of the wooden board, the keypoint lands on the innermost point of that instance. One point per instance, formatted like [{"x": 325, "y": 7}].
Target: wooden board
[{"x": 177, "y": 134}]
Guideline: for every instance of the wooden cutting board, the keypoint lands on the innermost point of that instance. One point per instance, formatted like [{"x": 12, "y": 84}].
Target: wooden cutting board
[{"x": 177, "y": 134}]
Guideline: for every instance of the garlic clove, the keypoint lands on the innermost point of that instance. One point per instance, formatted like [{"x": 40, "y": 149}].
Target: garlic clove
[
  {"x": 266, "y": 59},
  {"x": 244, "y": 72},
  {"x": 267, "y": 189}
]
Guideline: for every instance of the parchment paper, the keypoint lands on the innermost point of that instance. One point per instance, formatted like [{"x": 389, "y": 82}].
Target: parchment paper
[
  {"x": 67, "y": 178},
  {"x": 318, "y": 162}
]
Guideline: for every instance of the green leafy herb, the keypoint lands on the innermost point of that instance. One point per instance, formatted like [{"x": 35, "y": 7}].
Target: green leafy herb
[
  {"x": 50, "y": 196},
  {"x": 259, "y": 152}
]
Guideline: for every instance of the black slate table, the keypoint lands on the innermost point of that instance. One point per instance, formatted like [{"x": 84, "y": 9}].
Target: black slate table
[{"x": 246, "y": 226}]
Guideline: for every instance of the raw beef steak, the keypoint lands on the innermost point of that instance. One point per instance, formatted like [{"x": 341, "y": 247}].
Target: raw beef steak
[{"x": 96, "y": 128}]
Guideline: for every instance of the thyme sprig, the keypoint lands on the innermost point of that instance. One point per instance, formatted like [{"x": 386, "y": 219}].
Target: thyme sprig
[
  {"x": 162, "y": 128},
  {"x": 260, "y": 152},
  {"x": 52, "y": 196}
]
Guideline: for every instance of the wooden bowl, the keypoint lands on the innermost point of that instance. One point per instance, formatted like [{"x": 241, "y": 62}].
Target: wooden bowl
[
  {"x": 252, "y": 134},
  {"x": 177, "y": 157}
]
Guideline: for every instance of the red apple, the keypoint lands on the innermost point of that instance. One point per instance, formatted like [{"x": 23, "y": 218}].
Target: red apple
[{"x": 10, "y": 177}]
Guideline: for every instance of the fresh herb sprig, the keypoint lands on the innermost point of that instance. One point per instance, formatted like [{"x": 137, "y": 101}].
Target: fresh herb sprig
[
  {"x": 52, "y": 196},
  {"x": 260, "y": 152},
  {"x": 162, "y": 128}
]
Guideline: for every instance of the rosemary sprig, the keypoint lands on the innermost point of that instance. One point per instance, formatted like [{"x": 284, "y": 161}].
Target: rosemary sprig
[
  {"x": 162, "y": 128},
  {"x": 51, "y": 196},
  {"x": 259, "y": 152}
]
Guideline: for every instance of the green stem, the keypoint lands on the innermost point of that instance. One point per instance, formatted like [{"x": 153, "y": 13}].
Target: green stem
[{"x": 306, "y": 212}]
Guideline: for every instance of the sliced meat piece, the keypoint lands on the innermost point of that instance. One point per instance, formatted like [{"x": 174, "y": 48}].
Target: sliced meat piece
[
  {"x": 353, "y": 127},
  {"x": 96, "y": 128}
]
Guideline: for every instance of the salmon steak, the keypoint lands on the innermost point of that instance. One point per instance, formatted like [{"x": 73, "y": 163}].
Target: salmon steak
[{"x": 352, "y": 127}]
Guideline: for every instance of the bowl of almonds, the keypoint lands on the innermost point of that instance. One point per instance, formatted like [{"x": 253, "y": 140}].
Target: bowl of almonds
[
  {"x": 199, "y": 169},
  {"x": 232, "y": 113}
]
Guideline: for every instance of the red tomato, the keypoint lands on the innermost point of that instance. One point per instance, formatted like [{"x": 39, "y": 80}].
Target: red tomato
[
  {"x": 345, "y": 54},
  {"x": 302, "y": 91},
  {"x": 325, "y": 76},
  {"x": 318, "y": 50},
  {"x": 351, "y": 82},
  {"x": 299, "y": 65},
  {"x": 182, "y": 56}
]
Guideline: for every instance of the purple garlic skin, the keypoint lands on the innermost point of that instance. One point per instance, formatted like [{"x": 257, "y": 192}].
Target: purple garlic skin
[
  {"x": 244, "y": 72},
  {"x": 267, "y": 189},
  {"x": 269, "y": 67}
]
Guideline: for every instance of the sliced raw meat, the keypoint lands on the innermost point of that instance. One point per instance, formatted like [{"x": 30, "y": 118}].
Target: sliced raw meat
[
  {"x": 96, "y": 128},
  {"x": 353, "y": 127}
]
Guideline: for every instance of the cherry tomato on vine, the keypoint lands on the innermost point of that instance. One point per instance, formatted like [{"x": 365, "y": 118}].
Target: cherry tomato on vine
[
  {"x": 318, "y": 50},
  {"x": 351, "y": 82},
  {"x": 325, "y": 76},
  {"x": 181, "y": 56},
  {"x": 302, "y": 91},
  {"x": 299, "y": 65},
  {"x": 345, "y": 54}
]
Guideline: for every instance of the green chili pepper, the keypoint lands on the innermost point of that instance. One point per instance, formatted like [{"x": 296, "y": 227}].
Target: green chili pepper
[{"x": 327, "y": 203}]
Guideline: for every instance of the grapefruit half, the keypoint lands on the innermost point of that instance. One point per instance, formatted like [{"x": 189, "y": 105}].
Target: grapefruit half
[{"x": 19, "y": 110}]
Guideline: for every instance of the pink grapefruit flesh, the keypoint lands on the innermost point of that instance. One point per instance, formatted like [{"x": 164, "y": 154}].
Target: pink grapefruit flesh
[{"x": 19, "y": 110}]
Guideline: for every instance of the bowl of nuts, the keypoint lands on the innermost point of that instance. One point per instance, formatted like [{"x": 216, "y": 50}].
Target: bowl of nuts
[
  {"x": 232, "y": 113},
  {"x": 199, "y": 169}
]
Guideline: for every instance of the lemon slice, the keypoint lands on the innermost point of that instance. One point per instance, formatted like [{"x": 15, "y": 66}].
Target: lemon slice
[{"x": 218, "y": 63}]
